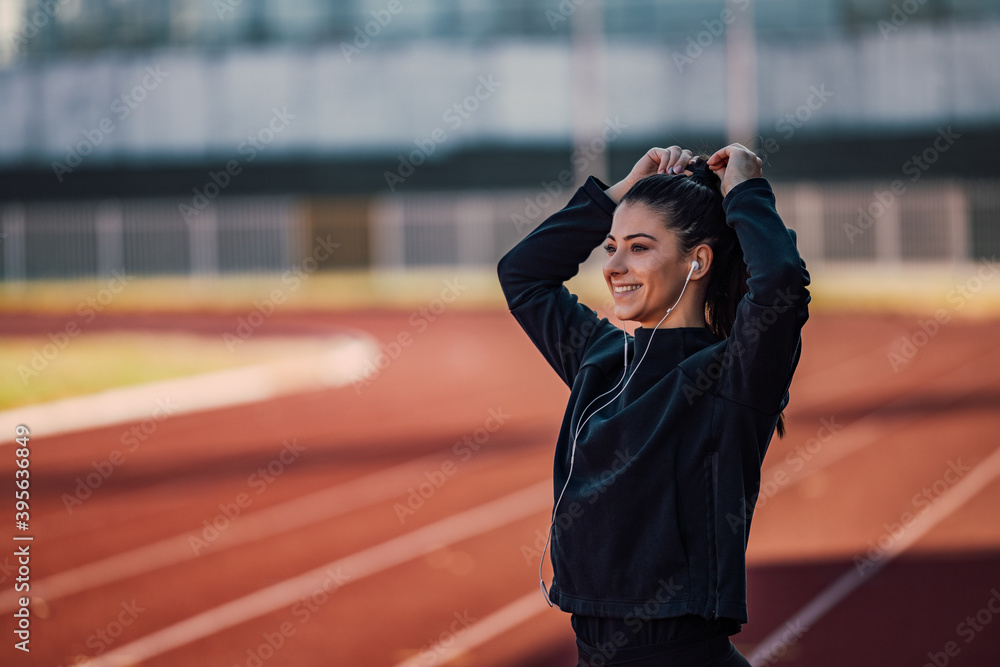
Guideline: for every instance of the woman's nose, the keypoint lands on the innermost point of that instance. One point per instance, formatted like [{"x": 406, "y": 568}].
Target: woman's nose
[{"x": 615, "y": 265}]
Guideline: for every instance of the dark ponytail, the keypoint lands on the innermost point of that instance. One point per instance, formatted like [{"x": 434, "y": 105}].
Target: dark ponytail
[{"x": 691, "y": 207}]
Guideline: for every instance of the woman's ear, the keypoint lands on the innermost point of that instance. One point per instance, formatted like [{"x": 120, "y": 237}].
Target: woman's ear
[{"x": 703, "y": 255}]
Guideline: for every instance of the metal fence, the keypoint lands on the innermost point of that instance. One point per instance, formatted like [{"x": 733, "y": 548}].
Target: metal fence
[
  {"x": 57, "y": 240},
  {"x": 942, "y": 222},
  {"x": 939, "y": 222}
]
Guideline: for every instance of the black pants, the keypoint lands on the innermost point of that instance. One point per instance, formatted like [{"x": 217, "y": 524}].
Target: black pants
[{"x": 687, "y": 641}]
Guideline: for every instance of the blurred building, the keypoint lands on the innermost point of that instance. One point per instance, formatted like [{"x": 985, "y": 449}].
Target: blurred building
[{"x": 226, "y": 135}]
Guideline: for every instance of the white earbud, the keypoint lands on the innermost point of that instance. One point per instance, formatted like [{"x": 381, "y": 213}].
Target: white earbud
[{"x": 695, "y": 265}]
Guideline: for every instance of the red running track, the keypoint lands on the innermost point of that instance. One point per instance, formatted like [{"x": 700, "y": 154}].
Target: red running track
[{"x": 885, "y": 472}]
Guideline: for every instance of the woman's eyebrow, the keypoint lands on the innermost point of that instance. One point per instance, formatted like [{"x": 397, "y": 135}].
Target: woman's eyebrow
[{"x": 632, "y": 236}]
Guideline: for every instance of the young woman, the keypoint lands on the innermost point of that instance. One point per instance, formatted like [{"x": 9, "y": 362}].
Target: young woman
[{"x": 657, "y": 465}]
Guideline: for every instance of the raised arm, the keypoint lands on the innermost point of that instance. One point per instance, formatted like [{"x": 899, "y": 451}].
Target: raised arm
[
  {"x": 533, "y": 272},
  {"x": 765, "y": 342}
]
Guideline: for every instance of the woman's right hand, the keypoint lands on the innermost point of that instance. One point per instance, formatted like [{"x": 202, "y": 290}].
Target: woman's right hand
[
  {"x": 670, "y": 160},
  {"x": 734, "y": 164}
]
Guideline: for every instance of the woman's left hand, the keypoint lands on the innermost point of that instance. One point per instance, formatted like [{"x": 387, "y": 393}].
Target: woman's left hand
[
  {"x": 734, "y": 164},
  {"x": 672, "y": 160}
]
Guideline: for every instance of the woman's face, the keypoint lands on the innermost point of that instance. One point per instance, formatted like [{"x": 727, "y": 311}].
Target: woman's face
[{"x": 645, "y": 270}]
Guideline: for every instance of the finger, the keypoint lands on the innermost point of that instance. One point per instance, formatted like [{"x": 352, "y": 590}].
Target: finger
[
  {"x": 664, "y": 160},
  {"x": 733, "y": 150},
  {"x": 719, "y": 158},
  {"x": 679, "y": 157},
  {"x": 719, "y": 165},
  {"x": 681, "y": 165},
  {"x": 648, "y": 164},
  {"x": 672, "y": 154}
]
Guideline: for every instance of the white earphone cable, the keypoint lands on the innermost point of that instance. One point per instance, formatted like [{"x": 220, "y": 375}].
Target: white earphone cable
[{"x": 572, "y": 456}]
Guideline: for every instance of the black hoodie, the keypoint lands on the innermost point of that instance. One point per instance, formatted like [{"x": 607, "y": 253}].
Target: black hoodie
[{"x": 655, "y": 520}]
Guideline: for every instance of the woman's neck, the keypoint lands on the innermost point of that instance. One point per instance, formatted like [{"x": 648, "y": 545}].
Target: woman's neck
[{"x": 685, "y": 315}]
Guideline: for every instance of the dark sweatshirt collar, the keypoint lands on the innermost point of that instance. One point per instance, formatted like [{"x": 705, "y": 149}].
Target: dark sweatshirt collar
[{"x": 670, "y": 346}]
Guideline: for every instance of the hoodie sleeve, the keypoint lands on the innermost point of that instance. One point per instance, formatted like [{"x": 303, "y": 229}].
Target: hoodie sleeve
[
  {"x": 533, "y": 272},
  {"x": 765, "y": 343}
]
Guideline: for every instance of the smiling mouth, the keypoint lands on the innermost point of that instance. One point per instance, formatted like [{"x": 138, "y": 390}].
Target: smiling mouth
[{"x": 625, "y": 289}]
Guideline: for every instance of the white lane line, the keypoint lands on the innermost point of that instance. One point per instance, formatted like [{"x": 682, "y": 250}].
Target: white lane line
[
  {"x": 503, "y": 620},
  {"x": 283, "y": 517},
  {"x": 338, "y": 366},
  {"x": 792, "y": 630},
  {"x": 476, "y": 521},
  {"x": 531, "y": 605},
  {"x": 874, "y": 426},
  {"x": 275, "y": 520}
]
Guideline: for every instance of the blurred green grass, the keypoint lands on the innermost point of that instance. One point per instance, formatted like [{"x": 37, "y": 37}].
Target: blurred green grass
[
  {"x": 328, "y": 290},
  {"x": 97, "y": 361}
]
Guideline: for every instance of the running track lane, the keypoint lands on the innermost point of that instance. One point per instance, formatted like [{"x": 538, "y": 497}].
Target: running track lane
[{"x": 434, "y": 619}]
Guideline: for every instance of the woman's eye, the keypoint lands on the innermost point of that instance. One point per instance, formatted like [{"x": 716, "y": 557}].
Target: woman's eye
[
  {"x": 637, "y": 248},
  {"x": 609, "y": 248}
]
